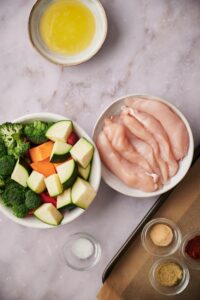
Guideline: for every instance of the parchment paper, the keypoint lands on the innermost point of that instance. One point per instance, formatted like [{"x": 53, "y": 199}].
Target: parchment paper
[{"x": 129, "y": 278}]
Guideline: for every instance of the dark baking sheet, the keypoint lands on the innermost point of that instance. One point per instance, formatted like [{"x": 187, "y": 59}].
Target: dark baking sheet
[{"x": 140, "y": 226}]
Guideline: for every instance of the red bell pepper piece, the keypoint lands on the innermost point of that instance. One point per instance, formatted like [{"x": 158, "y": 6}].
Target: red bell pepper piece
[
  {"x": 45, "y": 198},
  {"x": 31, "y": 212},
  {"x": 73, "y": 138}
]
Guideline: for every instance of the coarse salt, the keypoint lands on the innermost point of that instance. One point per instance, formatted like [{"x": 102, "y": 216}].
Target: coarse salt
[{"x": 82, "y": 248}]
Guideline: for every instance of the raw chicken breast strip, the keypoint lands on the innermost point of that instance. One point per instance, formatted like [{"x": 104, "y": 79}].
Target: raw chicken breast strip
[
  {"x": 156, "y": 129},
  {"x": 144, "y": 150},
  {"x": 140, "y": 146},
  {"x": 173, "y": 125},
  {"x": 130, "y": 174},
  {"x": 116, "y": 134},
  {"x": 142, "y": 133}
]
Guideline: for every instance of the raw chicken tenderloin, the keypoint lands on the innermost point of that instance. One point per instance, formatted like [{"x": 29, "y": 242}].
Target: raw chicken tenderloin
[
  {"x": 173, "y": 125},
  {"x": 129, "y": 173},
  {"x": 140, "y": 146},
  {"x": 140, "y": 131},
  {"x": 156, "y": 129},
  {"x": 116, "y": 134},
  {"x": 144, "y": 150}
]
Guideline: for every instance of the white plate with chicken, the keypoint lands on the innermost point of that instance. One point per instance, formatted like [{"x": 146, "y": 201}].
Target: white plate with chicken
[{"x": 145, "y": 143}]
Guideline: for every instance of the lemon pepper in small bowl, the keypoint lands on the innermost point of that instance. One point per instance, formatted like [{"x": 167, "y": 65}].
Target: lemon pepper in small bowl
[{"x": 169, "y": 276}]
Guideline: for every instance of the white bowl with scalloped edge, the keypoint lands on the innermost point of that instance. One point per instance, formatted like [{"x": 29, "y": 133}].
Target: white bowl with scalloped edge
[
  {"x": 95, "y": 176},
  {"x": 184, "y": 165}
]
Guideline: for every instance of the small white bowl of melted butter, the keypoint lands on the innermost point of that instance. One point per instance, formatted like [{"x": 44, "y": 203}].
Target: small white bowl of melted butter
[
  {"x": 145, "y": 143},
  {"x": 67, "y": 32}
]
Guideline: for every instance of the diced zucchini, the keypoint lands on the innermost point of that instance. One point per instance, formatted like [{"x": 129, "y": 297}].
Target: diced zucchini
[
  {"x": 82, "y": 193},
  {"x": 48, "y": 214},
  {"x": 36, "y": 182},
  {"x": 84, "y": 173},
  {"x": 64, "y": 199},
  {"x": 20, "y": 173},
  {"x": 60, "y": 152},
  {"x": 53, "y": 184},
  {"x": 82, "y": 152},
  {"x": 60, "y": 131},
  {"x": 67, "y": 173}
]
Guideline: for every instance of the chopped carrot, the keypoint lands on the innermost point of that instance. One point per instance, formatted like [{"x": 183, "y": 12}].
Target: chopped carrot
[
  {"x": 41, "y": 152},
  {"x": 46, "y": 160},
  {"x": 44, "y": 167}
]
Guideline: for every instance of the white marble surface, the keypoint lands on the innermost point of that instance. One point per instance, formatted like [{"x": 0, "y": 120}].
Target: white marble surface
[{"x": 153, "y": 47}]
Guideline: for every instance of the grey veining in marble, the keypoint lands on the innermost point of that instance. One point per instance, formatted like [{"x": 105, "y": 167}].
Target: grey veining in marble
[{"x": 152, "y": 47}]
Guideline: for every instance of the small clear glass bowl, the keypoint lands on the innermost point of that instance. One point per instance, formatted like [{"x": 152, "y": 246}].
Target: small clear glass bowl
[
  {"x": 81, "y": 261},
  {"x": 192, "y": 263},
  {"x": 173, "y": 290},
  {"x": 161, "y": 250}
]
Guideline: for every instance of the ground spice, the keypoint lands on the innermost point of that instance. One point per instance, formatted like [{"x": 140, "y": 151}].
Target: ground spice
[
  {"x": 193, "y": 247},
  {"x": 161, "y": 235},
  {"x": 169, "y": 274}
]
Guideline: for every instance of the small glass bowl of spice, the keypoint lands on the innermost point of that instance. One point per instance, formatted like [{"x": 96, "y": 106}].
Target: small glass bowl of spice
[
  {"x": 190, "y": 249},
  {"x": 169, "y": 276},
  {"x": 161, "y": 237},
  {"x": 81, "y": 251}
]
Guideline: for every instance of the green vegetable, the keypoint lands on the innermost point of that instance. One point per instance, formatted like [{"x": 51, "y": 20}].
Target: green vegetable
[
  {"x": 7, "y": 163},
  {"x": 11, "y": 135},
  {"x": 14, "y": 193},
  {"x": 20, "y": 210},
  {"x": 2, "y": 182},
  {"x": 2, "y": 185},
  {"x": 3, "y": 150},
  {"x": 32, "y": 200},
  {"x": 36, "y": 131}
]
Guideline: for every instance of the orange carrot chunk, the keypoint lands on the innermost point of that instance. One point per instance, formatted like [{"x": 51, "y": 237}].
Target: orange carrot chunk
[
  {"x": 43, "y": 167},
  {"x": 41, "y": 152}
]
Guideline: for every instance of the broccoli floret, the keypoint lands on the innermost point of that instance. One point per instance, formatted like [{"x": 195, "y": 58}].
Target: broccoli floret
[
  {"x": 21, "y": 148},
  {"x": 14, "y": 193},
  {"x": 2, "y": 185},
  {"x": 11, "y": 135},
  {"x": 7, "y": 163},
  {"x": 20, "y": 210},
  {"x": 32, "y": 200},
  {"x": 2, "y": 182},
  {"x": 3, "y": 150},
  {"x": 36, "y": 131}
]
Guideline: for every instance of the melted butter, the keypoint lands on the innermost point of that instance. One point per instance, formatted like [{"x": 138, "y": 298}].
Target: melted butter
[{"x": 67, "y": 26}]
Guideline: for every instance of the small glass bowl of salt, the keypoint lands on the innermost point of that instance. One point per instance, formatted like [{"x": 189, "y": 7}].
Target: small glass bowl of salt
[{"x": 81, "y": 251}]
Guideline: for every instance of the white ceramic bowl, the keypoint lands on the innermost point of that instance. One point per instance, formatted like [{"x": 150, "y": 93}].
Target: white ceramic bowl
[
  {"x": 62, "y": 59},
  {"x": 116, "y": 183},
  {"x": 95, "y": 176}
]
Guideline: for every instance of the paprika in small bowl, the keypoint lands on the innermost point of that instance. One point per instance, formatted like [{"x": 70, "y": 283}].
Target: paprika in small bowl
[{"x": 190, "y": 249}]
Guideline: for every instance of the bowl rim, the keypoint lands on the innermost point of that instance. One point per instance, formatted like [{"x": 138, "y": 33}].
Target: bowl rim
[
  {"x": 39, "y": 224},
  {"x": 142, "y": 194},
  {"x": 96, "y": 50}
]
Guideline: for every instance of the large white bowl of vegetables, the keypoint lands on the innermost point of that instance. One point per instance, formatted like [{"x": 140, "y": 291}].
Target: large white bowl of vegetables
[{"x": 50, "y": 170}]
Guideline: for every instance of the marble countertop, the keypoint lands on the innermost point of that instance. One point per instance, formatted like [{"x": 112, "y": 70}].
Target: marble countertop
[{"x": 152, "y": 47}]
